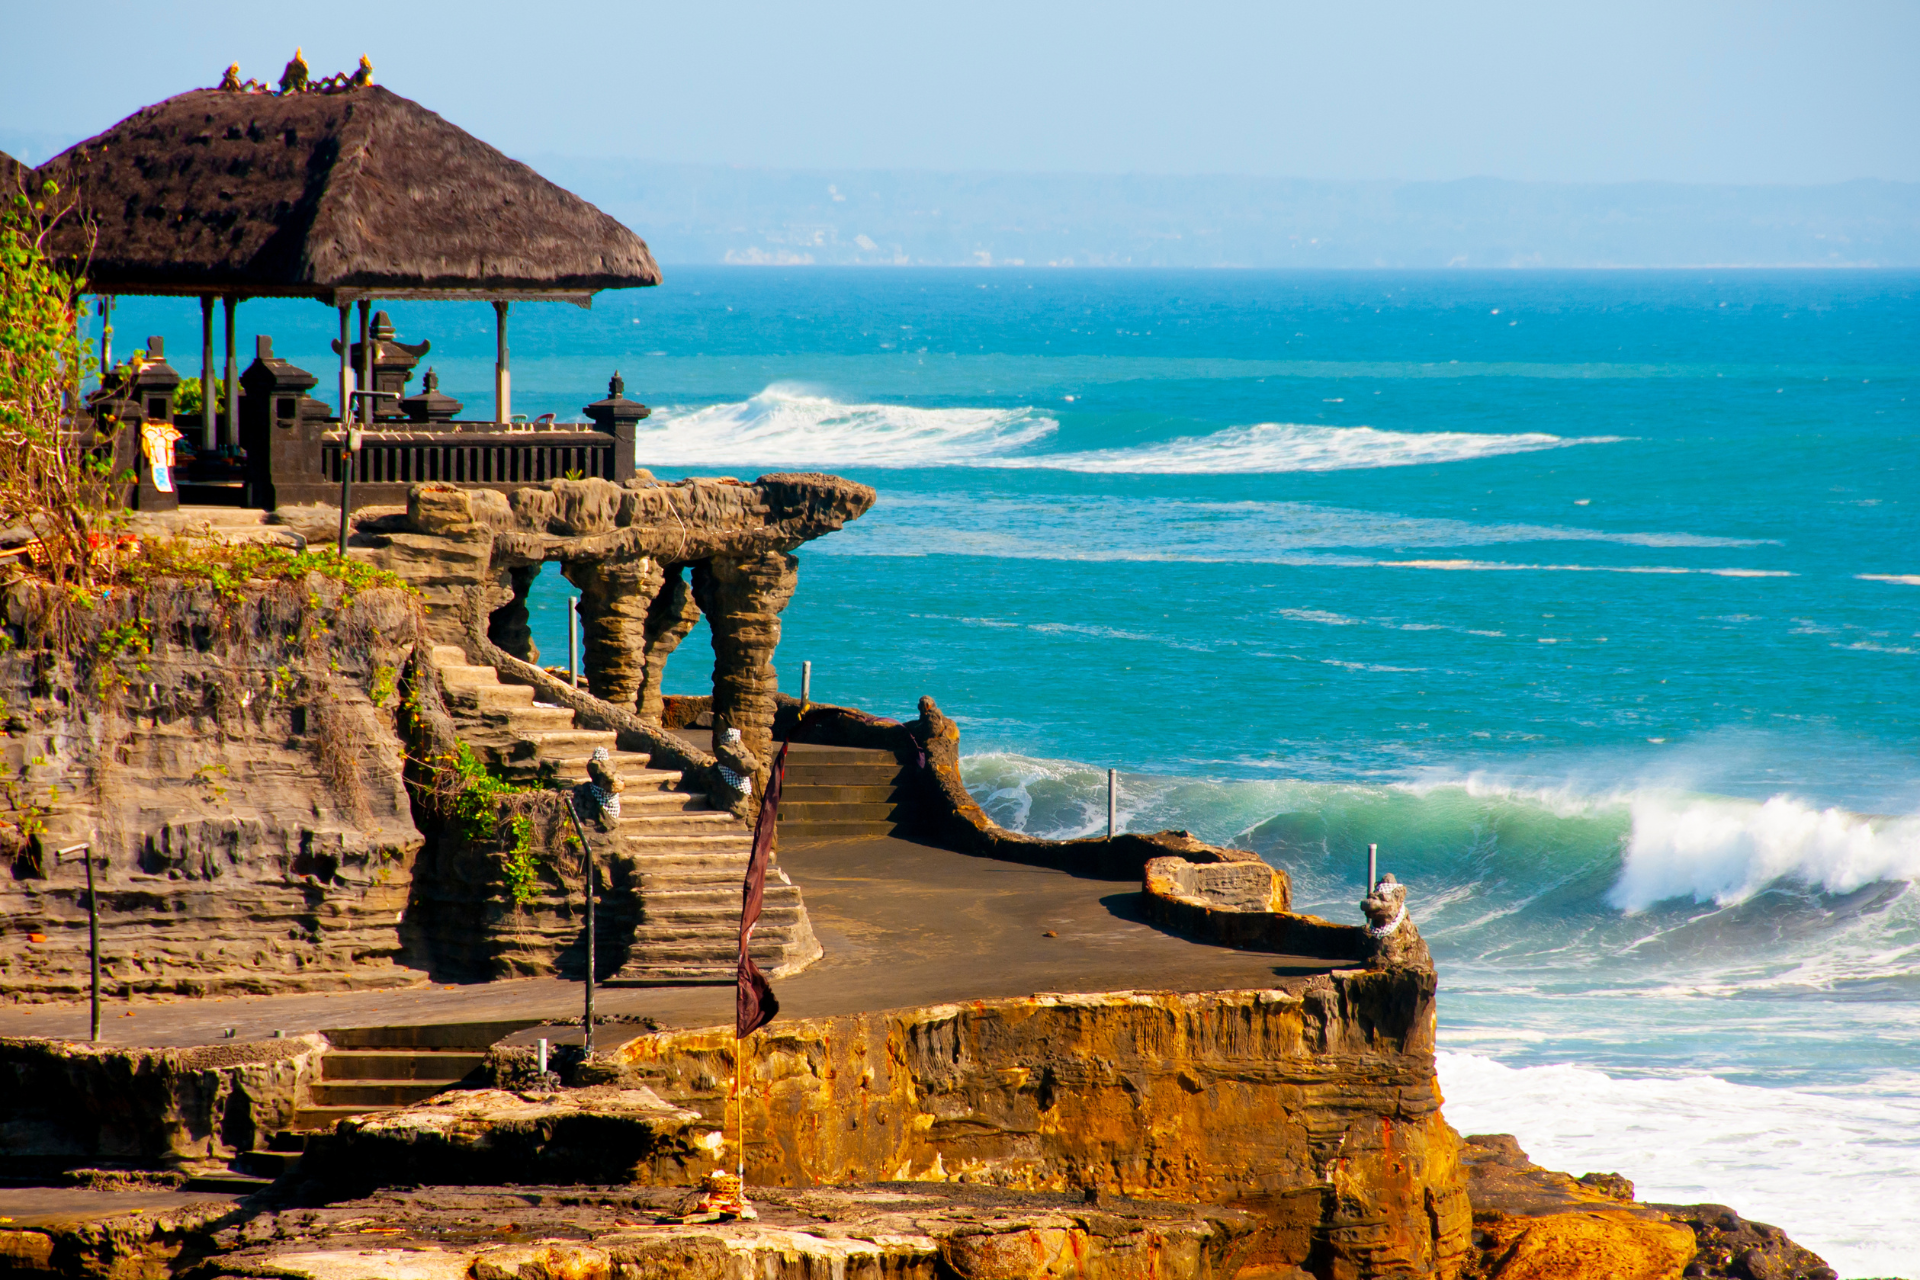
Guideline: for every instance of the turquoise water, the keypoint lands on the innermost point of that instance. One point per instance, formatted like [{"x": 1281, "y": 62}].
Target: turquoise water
[{"x": 1593, "y": 598}]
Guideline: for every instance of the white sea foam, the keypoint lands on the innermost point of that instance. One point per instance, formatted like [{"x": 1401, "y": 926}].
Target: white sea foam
[
  {"x": 1725, "y": 851},
  {"x": 1290, "y": 446},
  {"x": 1103, "y": 527},
  {"x": 1834, "y": 1170},
  {"x": 786, "y": 425}
]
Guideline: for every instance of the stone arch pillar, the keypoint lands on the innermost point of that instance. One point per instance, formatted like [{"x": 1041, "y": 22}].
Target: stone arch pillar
[
  {"x": 742, "y": 600},
  {"x": 671, "y": 614},
  {"x": 615, "y": 597},
  {"x": 510, "y": 626}
]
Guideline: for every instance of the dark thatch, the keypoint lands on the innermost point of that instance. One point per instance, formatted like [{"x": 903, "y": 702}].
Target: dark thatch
[{"x": 311, "y": 193}]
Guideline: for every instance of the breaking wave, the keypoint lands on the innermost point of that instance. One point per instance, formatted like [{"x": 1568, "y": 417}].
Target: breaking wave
[
  {"x": 786, "y": 426},
  {"x": 1287, "y": 446},
  {"x": 1761, "y": 892}
]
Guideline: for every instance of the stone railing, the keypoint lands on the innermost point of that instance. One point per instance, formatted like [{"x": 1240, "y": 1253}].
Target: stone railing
[{"x": 393, "y": 458}]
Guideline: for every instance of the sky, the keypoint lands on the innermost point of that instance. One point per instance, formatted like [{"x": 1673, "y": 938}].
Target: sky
[{"x": 1701, "y": 91}]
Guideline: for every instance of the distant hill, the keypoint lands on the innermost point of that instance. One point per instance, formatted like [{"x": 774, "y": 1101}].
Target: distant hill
[{"x": 714, "y": 214}]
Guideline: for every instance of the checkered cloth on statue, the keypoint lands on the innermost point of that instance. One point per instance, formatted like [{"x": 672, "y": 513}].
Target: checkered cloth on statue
[
  {"x": 741, "y": 782},
  {"x": 605, "y": 785}
]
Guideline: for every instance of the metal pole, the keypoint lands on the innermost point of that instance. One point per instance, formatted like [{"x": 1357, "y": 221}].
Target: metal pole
[
  {"x": 573, "y": 642},
  {"x": 586, "y": 855},
  {"x": 346, "y": 369},
  {"x": 208, "y": 440},
  {"x": 1373, "y": 866},
  {"x": 232, "y": 431},
  {"x": 93, "y": 933},
  {"x": 1113, "y": 802},
  {"x": 806, "y": 682},
  {"x": 502, "y": 379},
  {"x": 347, "y": 459},
  {"x": 542, "y": 1050},
  {"x": 366, "y": 363}
]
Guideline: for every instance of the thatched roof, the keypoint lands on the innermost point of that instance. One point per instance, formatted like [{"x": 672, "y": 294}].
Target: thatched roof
[{"x": 323, "y": 194}]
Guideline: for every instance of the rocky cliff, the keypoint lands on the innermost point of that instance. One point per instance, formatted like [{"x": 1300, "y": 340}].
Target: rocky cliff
[
  {"x": 1313, "y": 1106},
  {"x": 228, "y": 752}
]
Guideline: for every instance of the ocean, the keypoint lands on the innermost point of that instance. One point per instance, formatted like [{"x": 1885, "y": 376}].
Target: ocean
[{"x": 1592, "y": 598}]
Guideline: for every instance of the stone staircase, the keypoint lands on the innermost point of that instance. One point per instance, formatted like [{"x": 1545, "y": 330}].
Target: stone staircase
[
  {"x": 685, "y": 857},
  {"x": 367, "y": 1069},
  {"x": 840, "y": 793}
]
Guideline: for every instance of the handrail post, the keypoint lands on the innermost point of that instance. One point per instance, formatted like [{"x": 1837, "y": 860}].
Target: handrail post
[
  {"x": 586, "y": 856},
  {"x": 573, "y": 642},
  {"x": 1373, "y": 866},
  {"x": 93, "y": 936},
  {"x": 1113, "y": 802}
]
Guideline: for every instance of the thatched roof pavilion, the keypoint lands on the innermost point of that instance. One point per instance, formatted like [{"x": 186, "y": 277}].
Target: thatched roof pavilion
[
  {"x": 342, "y": 191},
  {"x": 333, "y": 196}
]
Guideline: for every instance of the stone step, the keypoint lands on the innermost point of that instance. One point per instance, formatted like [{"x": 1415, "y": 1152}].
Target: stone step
[
  {"x": 815, "y": 793},
  {"x": 623, "y": 762},
  {"x": 652, "y": 821},
  {"x": 445, "y": 1066},
  {"x": 550, "y": 745},
  {"x": 831, "y": 757},
  {"x": 532, "y": 722},
  {"x": 450, "y": 655},
  {"x": 806, "y": 812},
  {"x": 491, "y": 697},
  {"x": 842, "y": 775},
  {"x": 465, "y": 675},
  {"x": 739, "y": 842},
  {"x": 270, "y": 1164},
  {"x": 373, "y": 1093},
  {"x": 638, "y": 803},
  {"x": 310, "y": 1119},
  {"x": 687, "y": 947},
  {"x": 814, "y": 831}
]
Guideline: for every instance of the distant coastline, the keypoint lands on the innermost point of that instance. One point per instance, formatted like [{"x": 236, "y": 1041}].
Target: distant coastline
[{"x": 715, "y": 214}]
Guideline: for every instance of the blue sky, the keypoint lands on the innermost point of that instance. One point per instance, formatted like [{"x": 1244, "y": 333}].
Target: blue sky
[{"x": 1691, "y": 92}]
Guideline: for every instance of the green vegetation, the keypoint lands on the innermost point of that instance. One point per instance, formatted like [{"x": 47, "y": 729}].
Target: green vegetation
[
  {"x": 187, "y": 398},
  {"x": 55, "y": 477},
  {"x": 230, "y": 569},
  {"x": 476, "y": 815}
]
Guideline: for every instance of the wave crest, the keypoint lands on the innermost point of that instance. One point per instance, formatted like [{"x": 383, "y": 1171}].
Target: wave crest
[
  {"x": 1289, "y": 446},
  {"x": 1725, "y": 851},
  {"x": 788, "y": 426}
]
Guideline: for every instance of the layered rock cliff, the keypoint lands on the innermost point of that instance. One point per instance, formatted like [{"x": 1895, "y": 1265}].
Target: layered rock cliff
[
  {"x": 228, "y": 754},
  {"x": 1313, "y": 1105}
]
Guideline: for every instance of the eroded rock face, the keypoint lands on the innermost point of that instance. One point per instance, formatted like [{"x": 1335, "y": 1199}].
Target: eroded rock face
[
  {"x": 233, "y": 761},
  {"x": 874, "y": 1232},
  {"x": 64, "y": 1103},
  {"x": 1729, "y": 1247},
  {"x": 605, "y": 1133},
  {"x": 1531, "y": 1223},
  {"x": 1314, "y": 1106}
]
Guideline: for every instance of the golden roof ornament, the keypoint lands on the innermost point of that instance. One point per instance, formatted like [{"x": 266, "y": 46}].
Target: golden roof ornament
[
  {"x": 294, "y": 78},
  {"x": 297, "y": 78}
]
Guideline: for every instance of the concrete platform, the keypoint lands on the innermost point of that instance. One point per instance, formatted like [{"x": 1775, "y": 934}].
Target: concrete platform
[{"x": 903, "y": 924}]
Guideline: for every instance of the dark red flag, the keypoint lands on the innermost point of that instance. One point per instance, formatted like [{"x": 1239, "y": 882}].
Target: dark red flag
[{"x": 756, "y": 1005}]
